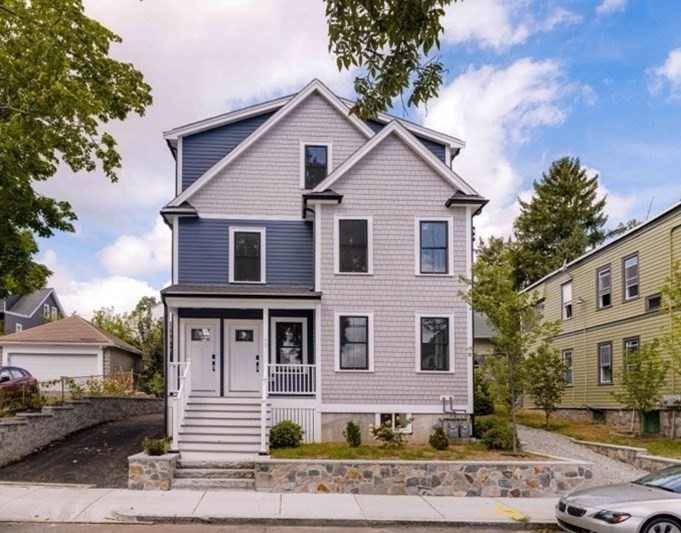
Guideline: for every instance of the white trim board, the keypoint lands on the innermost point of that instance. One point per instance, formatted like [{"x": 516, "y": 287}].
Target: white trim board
[
  {"x": 450, "y": 247},
  {"x": 336, "y": 244},
  {"x": 263, "y": 254},
  {"x": 329, "y": 158},
  {"x": 388, "y": 408},
  {"x": 370, "y": 342},
  {"x": 451, "y": 338}
]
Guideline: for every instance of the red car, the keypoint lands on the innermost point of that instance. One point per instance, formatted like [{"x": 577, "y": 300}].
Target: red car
[{"x": 16, "y": 383}]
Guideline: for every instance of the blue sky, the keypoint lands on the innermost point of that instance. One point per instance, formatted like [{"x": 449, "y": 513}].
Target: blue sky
[{"x": 528, "y": 81}]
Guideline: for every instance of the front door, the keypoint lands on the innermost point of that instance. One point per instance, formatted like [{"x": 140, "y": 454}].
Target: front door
[
  {"x": 244, "y": 349},
  {"x": 201, "y": 348}
]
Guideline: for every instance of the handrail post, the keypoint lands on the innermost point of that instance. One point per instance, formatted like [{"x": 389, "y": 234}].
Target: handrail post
[{"x": 263, "y": 408}]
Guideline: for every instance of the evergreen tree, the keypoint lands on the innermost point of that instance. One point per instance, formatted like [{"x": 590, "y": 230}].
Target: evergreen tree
[{"x": 563, "y": 220}]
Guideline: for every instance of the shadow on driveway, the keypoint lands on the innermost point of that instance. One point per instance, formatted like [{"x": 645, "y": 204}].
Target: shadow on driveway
[{"x": 94, "y": 456}]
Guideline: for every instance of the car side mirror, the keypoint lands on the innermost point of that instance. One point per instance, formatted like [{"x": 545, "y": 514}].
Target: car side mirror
[{"x": 3, "y": 379}]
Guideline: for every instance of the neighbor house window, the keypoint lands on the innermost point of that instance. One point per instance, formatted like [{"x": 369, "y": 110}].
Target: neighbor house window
[
  {"x": 54, "y": 314},
  {"x": 653, "y": 302},
  {"x": 46, "y": 311},
  {"x": 354, "y": 245},
  {"x": 605, "y": 362},
  {"x": 18, "y": 327},
  {"x": 631, "y": 277},
  {"x": 289, "y": 341},
  {"x": 566, "y": 294},
  {"x": 315, "y": 163},
  {"x": 433, "y": 246},
  {"x": 604, "y": 280},
  {"x": 354, "y": 342},
  {"x": 567, "y": 365},
  {"x": 631, "y": 346},
  {"x": 247, "y": 255},
  {"x": 435, "y": 345}
]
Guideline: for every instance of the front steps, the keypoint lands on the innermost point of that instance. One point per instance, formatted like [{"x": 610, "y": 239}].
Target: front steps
[
  {"x": 214, "y": 475},
  {"x": 220, "y": 428}
]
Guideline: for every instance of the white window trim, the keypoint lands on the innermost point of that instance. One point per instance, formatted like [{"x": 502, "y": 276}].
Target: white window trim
[
  {"x": 329, "y": 159},
  {"x": 46, "y": 310},
  {"x": 600, "y": 290},
  {"x": 18, "y": 327},
  {"x": 408, "y": 429},
  {"x": 601, "y": 366},
  {"x": 273, "y": 337},
  {"x": 627, "y": 283},
  {"x": 450, "y": 317},
  {"x": 571, "y": 367},
  {"x": 370, "y": 244},
  {"x": 370, "y": 341},
  {"x": 54, "y": 314},
  {"x": 564, "y": 303},
  {"x": 263, "y": 250},
  {"x": 450, "y": 246}
]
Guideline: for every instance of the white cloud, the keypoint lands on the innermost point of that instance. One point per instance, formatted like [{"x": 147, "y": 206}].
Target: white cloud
[
  {"x": 498, "y": 24},
  {"x": 611, "y": 6},
  {"x": 130, "y": 255},
  {"x": 495, "y": 111},
  {"x": 669, "y": 73},
  {"x": 619, "y": 207}
]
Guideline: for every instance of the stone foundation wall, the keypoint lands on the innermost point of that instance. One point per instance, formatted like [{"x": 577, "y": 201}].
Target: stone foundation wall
[
  {"x": 146, "y": 472},
  {"x": 26, "y": 432},
  {"x": 670, "y": 420},
  {"x": 456, "y": 478},
  {"x": 637, "y": 457}
]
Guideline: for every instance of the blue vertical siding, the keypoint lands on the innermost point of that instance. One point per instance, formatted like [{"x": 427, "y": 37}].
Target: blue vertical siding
[
  {"x": 204, "y": 251},
  {"x": 437, "y": 148},
  {"x": 202, "y": 150}
]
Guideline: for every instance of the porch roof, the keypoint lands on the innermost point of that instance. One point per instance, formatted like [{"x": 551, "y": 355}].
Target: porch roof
[{"x": 234, "y": 290}]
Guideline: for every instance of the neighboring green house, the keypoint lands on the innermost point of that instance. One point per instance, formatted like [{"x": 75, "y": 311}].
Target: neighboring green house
[
  {"x": 482, "y": 337},
  {"x": 608, "y": 301}
]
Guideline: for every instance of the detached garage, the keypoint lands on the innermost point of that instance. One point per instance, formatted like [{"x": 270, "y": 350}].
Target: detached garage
[{"x": 71, "y": 347}]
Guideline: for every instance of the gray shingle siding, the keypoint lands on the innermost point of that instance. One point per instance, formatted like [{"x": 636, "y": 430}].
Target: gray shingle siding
[
  {"x": 393, "y": 293},
  {"x": 36, "y": 319},
  {"x": 204, "y": 250},
  {"x": 202, "y": 150},
  {"x": 437, "y": 148}
]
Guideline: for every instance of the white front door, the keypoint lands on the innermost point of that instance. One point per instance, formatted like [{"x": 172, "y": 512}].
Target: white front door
[
  {"x": 201, "y": 348},
  {"x": 244, "y": 350}
]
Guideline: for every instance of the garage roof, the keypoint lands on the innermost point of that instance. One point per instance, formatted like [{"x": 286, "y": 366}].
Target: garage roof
[{"x": 71, "y": 330}]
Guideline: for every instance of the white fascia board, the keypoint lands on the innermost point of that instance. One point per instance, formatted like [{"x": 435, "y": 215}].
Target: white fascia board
[
  {"x": 52, "y": 347},
  {"x": 224, "y": 119},
  {"x": 387, "y": 408},
  {"x": 398, "y": 129},
  {"x": 59, "y": 305},
  {"x": 177, "y": 302},
  {"x": 312, "y": 87}
]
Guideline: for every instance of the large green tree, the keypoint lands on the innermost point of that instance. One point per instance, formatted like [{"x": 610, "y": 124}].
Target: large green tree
[
  {"x": 58, "y": 86},
  {"x": 390, "y": 40},
  {"x": 563, "y": 220}
]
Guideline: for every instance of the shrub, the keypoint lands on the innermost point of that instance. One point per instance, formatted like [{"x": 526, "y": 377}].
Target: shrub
[
  {"x": 482, "y": 425},
  {"x": 392, "y": 436},
  {"x": 438, "y": 439},
  {"x": 156, "y": 446},
  {"x": 35, "y": 401},
  {"x": 499, "y": 436},
  {"x": 482, "y": 397},
  {"x": 154, "y": 385},
  {"x": 286, "y": 434},
  {"x": 352, "y": 434}
]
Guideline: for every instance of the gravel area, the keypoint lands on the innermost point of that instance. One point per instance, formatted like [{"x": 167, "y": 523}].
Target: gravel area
[{"x": 605, "y": 470}]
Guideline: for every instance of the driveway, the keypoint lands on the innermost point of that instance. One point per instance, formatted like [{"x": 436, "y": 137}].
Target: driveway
[{"x": 95, "y": 456}]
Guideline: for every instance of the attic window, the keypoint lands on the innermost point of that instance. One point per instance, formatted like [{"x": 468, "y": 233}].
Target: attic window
[{"x": 316, "y": 158}]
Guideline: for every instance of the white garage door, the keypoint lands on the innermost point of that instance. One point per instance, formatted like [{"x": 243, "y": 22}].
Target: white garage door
[{"x": 52, "y": 366}]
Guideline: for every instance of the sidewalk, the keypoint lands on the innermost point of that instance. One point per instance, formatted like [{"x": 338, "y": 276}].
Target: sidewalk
[{"x": 35, "y": 503}]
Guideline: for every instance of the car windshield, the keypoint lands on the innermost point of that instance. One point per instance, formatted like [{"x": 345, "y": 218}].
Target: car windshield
[{"x": 668, "y": 479}]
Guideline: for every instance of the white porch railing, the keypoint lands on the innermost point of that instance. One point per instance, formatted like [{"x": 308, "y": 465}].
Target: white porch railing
[
  {"x": 179, "y": 401},
  {"x": 292, "y": 380},
  {"x": 175, "y": 373}
]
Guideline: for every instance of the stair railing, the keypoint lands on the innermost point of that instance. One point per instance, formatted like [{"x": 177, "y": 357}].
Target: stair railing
[
  {"x": 180, "y": 403},
  {"x": 264, "y": 444}
]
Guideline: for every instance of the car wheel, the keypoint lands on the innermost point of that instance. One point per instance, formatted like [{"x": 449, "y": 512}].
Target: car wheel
[{"x": 662, "y": 525}]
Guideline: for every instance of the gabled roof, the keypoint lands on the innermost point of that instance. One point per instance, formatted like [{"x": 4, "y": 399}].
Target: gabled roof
[
  {"x": 27, "y": 305},
  {"x": 481, "y": 327},
  {"x": 636, "y": 229},
  {"x": 71, "y": 330},
  {"x": 396, "y": 128},
  {"x": 314, "y": 87}
]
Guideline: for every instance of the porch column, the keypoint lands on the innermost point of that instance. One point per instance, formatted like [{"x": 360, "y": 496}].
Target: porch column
[
  {"x": 318, "y": 372},
  {"x": 265, "y": 359}
]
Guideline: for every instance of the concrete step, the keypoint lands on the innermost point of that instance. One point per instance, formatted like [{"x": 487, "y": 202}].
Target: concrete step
[
  {"x": 213, "y": 484},
  {"x": 215, "y": 464},
  {"x": 219, "y": 457},
  {"x": 235, "y": 429},
  {"x": 214, "y": 473}
]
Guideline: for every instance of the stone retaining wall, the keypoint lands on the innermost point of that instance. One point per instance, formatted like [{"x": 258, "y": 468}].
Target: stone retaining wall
[
  {"x": 455, "y": 478},
  {"x": 27, "y": 432},
  {"x": 146, "y": 472},
  {"x": 670, "y": 419},
  {"x": 637, "y": 457}
]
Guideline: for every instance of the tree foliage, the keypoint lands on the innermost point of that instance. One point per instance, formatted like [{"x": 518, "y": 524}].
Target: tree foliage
[
  {"x": 545, "y": 379},
  {"x": 390, "y": 40},
  {"x": 671, "y": 292},
  {"x": 563, "y": 220},
  {"x": 520, "y": 328},
  {"x": 58, "y": 86}
]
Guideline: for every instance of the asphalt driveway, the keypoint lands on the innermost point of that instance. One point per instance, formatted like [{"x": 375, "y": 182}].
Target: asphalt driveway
[{"x": 95, "y": 456}]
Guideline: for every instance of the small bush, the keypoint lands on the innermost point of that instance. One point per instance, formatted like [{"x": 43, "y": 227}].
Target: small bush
[
  {"x": 154, "y": 385},
  {"x": 482, "y": 425},
  {"x": 286, "y": 434},
  {"x": 482, "y": 398},
  {"x": 438, "y": 439},
  {"x": 35, "y": 401},
  {"x": 156, "y": 446},
  {"x": 499, "y": 436},
  {"x": 352, "y": 434}
]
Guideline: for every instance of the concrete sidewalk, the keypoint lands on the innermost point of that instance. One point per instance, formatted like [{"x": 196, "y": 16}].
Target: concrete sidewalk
[{"x": 36, "y": 503}]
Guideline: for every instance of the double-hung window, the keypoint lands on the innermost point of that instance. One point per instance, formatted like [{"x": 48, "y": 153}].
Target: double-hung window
[
  {"x": 630, "y": 277},
  {"x": 433, "y": 248},
  {"x": 434, "y": 346},
  {"x": 315, "y": 163},
  {"x": 631, "y": 346},
  {"x": 353, "y": 254},
  {"x": 605, "y": 363},
  {"x": 566, "y": 298},
  {"x": 46, "y": 310},
  {"x": 567, "y": 366},
  {"x": 604, "y": 281},
  {"x": 246, "y": 255},
  {"x": 354, "y": 341}
]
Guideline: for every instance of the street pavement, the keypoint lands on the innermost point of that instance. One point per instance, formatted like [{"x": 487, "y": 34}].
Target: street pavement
[{"x": 55, "y": 504}]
